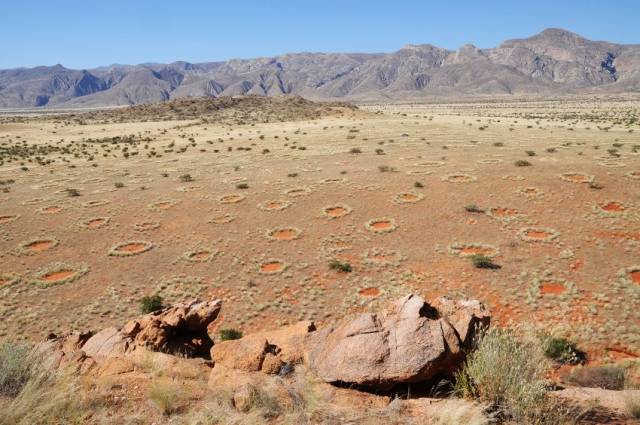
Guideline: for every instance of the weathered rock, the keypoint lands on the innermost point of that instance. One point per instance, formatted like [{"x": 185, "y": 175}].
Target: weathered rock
[
  {"x": 180, "y": 329},
  {"x": 411, "y": 342},
  {"x": 264, "y": 351},
  {"x": 109, "y": 342},
  {"x": 466, "y": 316}
]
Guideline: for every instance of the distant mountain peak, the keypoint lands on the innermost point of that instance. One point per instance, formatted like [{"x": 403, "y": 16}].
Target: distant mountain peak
[{"x": 552, "y": 61}]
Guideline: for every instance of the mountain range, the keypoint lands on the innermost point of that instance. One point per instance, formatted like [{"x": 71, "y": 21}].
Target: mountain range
[{"x": 554, "y": 61}]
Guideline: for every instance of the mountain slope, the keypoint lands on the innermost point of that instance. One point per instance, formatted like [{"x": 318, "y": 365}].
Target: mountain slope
[{"x": 554, "y": 61}]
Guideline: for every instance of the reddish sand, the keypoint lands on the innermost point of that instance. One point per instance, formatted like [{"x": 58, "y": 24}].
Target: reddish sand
[
  {"x": 476, "y": 250},
  {"x": 57, "y": 276},
  {"x": 51, "y": 210},
  {"x": 635, "y": 276},
  {"x": 335, "y": 211},
  {"x": 369, "y": 292},
  {"x": 3, "y": 281},
  {"x": 284, "y": 234},
  {"x": 408, "y": 197},
  {"x": 39, "y": 246},
  {"x": 200, "y": 255},
  {"x": 164, "y": 205},
  {"x": 381, "y": 225},
  {"x": 7, "y": 218},
  {"x": 274, "y": 205},
  {"x": 146, "y": 225},
  {"x": 131, "y": 247},
  {"x": 379, "y": 258},
  {"x": 459, "y": 179},
  {"x": 552, "y": 288},
  {"x": 537, "y": 234},
  {"x": 271, "y": 267},
  {"x": 96, "y": 223},
  {"x": 612, "y": 206},
  {"x": 576, "y": 178},
  {"x": 504, "y": 212}
]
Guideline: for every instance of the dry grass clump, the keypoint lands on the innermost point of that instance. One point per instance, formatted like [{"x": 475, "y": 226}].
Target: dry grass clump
[
  {"x": 509, "y": 374},
  {"x": 14, "y": 368},
  {"x": 166, "y": 396},
  {"x": 609, "y": 377}
]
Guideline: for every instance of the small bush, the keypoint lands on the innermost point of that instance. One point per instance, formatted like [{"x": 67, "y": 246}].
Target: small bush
[
  {"x": 509, "y": 373},
  {"x": 609, "y": 377},
  {"x": 530, "y": 153},
  {"x": 483, "y": 262},
  {"x": 522, "y": 163},
  {"x": 341, "y": 267},
  {"x": 632, "y": 403},
  {"x": 165, "y": 396},
  {"x": 119, "y": 185},
  {"x": 355, "y": 150},
  {"x": 73, "y": 192},
  {"x": 230, "y": 334},
  {"x": 242, "y": 186},
  {"x": 418, "y": 185},
  {"x": 385, "y": 169},
  {"x": 14, "y": 368},
  {"x": 380, "y": 151},
  {"x": 185, "y": 178},
  {"x": 561, "y": 350},
  {"x": 150, "y": 304},
  {"x": 595, "y": 186},
  {"x": 473, "y": 208},
  {"x": 551, "y": 150}
]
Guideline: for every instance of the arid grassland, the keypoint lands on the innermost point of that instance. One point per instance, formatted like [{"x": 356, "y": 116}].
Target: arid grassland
[{"x": 290, "y": 210}]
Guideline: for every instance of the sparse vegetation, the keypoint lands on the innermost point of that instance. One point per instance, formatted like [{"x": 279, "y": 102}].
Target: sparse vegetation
[
  {"x": 15, "y": 368},
  {"x": 229, "y": 334},
  {"x": 149, "y": 304},
  {"x": 342, "y": 267},
  {"x": 522, "y": 163},
  {"x": 473, "y": 208},
  {"x": 483, "y": 262}
]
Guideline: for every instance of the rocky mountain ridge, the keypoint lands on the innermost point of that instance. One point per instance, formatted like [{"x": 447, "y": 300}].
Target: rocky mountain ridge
[{"x": 554, "y": 61}]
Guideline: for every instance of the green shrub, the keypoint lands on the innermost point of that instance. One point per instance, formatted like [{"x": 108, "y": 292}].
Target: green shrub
[
  {"x": 185, "y": 178},
  {"x": 15, "y": 368},
  {"x": 483, "y": 262},
  {"x": 473, "y": 208},
  {"x": 229, "y": 334},
  {"x": 341, "y": 267},
  {"x": 522, "y": 163},
  {"x": 418, "y": 185},
  {"x": 242, "y": 186},
  {"x": 119, "y": 185},
  {"x": 149, "y": 304},
  {"x": 561, "y": 350}
]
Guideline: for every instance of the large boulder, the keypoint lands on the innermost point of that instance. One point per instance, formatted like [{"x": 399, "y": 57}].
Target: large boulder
[
  {"x": 179, "y": 329},
  {"x": 411, "y": 342}
]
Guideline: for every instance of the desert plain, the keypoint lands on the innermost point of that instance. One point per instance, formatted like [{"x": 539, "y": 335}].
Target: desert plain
[{"x": 253, "y": 203}]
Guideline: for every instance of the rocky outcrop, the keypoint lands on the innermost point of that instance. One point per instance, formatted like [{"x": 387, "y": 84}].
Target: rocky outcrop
[
  {"x": 268, "y": 352},
  {"x": 180, "y": 329},
  {"x": 411, "y": 342}
]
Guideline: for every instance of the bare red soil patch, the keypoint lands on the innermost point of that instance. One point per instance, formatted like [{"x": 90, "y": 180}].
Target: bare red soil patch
[
  {"x": 284, "y": 234},
  {"x": 51, "y": 209},
  {"x": 57, "y": 276},
  {"x": 126, "y": 249},
  {"x": 635, "y": 276},
  {"x": 272, "y": 267},
  {"x": 369, "y": 292},
  {"x": 96, "y": 223},
  {"x": 8, "y": 218},
  {"x": 502, "y": 212},
  {"x": 552, "y": 288},
  {"x": 612, "y": 206},
  {"x": 336, "y": 211},
  {"x": 576, "y": 177},
  {"x": 39, "y": 246}
]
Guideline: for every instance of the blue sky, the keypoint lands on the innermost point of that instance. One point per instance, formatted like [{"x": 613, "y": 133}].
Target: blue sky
[{"x": 85, "y": 34}]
